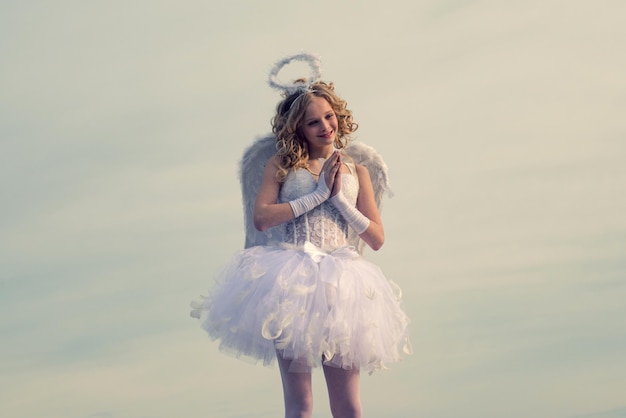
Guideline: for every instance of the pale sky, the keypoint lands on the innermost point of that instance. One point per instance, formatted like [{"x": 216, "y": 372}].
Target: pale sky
[{"x": 502, "y": 123}]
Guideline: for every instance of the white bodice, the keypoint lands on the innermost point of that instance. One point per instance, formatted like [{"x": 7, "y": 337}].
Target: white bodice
[{"x": 323, "y": 226}]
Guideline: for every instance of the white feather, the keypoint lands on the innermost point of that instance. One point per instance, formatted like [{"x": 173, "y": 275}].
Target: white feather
[{"x": 251, "y": 168}]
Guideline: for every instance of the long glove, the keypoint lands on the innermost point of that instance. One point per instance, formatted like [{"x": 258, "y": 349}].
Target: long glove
[
  {"x": 355, "y": 219},
  {"x": 309, "y": 201}
]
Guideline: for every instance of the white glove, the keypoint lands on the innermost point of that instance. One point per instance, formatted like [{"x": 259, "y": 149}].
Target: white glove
[
  {"x": 309, "y": 201},
  {"x": 355, "y": 219}
]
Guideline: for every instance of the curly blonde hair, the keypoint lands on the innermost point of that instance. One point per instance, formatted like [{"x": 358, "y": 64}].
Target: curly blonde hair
[{"x": 291, "y": 147}]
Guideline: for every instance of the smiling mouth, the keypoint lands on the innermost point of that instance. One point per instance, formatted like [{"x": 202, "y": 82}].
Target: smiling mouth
[{"x": 328, "y": 134}]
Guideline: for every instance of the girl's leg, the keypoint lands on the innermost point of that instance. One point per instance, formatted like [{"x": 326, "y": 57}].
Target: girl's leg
[
  {"x": 297, "y": 390},
  {"x": 343, "y": 392}
]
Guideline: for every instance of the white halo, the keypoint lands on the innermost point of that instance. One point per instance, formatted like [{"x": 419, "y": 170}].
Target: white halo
[{"x": 290, "y": 88}]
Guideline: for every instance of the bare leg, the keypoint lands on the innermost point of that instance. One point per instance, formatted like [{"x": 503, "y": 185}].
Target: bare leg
[
  {"x": 297, "y": 391},
  {"x": 343, "y": 392}
]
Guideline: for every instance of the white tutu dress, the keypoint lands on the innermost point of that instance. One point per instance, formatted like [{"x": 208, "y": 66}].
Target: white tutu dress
[{"x": 308, "y": 294}]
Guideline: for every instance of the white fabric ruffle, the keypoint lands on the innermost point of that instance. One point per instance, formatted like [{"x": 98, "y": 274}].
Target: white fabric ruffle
[{"x": 314, "y": 307}]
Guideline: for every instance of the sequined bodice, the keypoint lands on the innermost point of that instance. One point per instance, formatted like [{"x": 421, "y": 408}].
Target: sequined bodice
[{"x": 323, "y": 226}]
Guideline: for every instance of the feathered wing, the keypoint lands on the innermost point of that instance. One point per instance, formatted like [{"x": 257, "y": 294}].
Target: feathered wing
[
  {"x": 251, "y": 168},
  {"x": 369, "y": 158}
]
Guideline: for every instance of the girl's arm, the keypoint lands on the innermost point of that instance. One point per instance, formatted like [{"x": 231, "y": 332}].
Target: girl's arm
[
  {"x": 374, "y": 235},
  {"x": 267, "y": 212}
]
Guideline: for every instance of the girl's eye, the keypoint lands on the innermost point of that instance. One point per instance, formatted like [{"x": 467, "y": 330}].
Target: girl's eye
[{"x": 312, "y": 123}]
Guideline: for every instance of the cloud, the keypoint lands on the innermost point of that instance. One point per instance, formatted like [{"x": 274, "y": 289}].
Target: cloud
[
  {"x": 614, "y": 413},
  {"x": 501, "y": 123}
]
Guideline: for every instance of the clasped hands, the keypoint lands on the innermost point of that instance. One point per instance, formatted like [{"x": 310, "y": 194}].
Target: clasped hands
[{"x": 331, "y": 171}]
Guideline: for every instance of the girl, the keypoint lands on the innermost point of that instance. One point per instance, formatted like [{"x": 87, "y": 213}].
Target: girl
[{"x": 306, "y": 297}]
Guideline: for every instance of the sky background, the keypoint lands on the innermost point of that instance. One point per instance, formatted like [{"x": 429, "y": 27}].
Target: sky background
[{"x": 502, "y": 123}]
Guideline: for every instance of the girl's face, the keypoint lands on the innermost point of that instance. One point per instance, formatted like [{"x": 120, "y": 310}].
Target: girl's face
[{"x": 319, "y": 124}]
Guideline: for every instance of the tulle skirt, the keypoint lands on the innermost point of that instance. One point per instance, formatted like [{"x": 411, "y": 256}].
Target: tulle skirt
[{"x": 313, "y": 307}]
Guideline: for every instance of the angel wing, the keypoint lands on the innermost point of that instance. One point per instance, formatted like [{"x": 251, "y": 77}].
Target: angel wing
[
  {"x": 251, "y": 169},
  {"x": 369, "y": 158}
]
